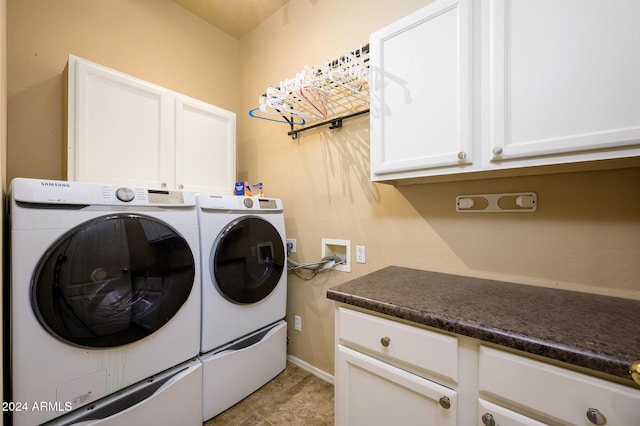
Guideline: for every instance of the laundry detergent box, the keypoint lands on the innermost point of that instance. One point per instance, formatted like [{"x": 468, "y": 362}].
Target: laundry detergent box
[{"x": 243, "y": 188}]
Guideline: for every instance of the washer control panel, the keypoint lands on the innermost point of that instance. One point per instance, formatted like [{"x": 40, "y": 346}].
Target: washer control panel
[
  {"x": 42, "y": 191},
  {"x": 142, "y": 196}
]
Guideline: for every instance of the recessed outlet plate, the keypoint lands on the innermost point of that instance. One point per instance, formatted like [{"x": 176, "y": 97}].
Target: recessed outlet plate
[
  {"x": 291, "y": 245},
  {"x": 341, "y": 248}
]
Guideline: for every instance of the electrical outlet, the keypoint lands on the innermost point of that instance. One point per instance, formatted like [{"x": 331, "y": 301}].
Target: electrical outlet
[
  {"x": 291, "y": 245},
  {"x": 361, "y": 256},
  {"x": 297, "y": 323}
]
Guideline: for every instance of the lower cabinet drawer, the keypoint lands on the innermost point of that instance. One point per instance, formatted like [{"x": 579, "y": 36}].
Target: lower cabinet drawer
[
  {"x": 555, "y": 394},
  {"x": 495, "y": 415},
  {"x": 427, "y": 350}
]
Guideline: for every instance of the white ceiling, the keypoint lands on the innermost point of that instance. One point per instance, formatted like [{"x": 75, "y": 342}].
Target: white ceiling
[{"x": 234, "y": 17}]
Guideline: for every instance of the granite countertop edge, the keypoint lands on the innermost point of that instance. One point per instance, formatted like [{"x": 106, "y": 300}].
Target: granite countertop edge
[{"x": 555, "y": 350}]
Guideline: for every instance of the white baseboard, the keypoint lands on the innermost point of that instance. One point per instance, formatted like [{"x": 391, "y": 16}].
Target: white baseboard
[{"x": 311, "y": 369}]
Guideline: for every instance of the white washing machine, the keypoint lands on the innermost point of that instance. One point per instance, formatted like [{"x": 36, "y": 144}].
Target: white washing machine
[
  {"x": 244, "y": 296},
  {"x": 105, "y": 292}
]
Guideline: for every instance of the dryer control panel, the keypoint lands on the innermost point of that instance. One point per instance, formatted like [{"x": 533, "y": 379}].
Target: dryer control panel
[
  {"x": 267, "y": 203},
  {"x": 209, "y": 202}
]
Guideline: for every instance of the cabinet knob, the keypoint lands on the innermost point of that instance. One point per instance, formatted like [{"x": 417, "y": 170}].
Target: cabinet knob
[
  {"x": 487, "y": 420},
  {"x": 385, "y": 341},
  {"x": 164, "y": 185},
  {"x": 180, "y": 186},
  {"x": 462, "y": 155},
  {"x": 497, "y": 150},
  {"x": 596, "y": 417},
  {"x": 445, "y": 402},
  {"x": 635, "y": 371}
]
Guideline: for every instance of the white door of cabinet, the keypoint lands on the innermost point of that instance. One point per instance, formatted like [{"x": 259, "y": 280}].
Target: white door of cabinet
[
  {"x": 205, "y": 147},
  {"x": 563, "y": 80},
  {"x": 370, "y": 392},
  {"x": 421, "y": 92},
  {"x": 118, "y": 128}
]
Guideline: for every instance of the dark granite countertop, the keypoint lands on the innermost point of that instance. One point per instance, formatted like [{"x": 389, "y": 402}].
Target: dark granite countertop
[{"x": 586, "y": 330}]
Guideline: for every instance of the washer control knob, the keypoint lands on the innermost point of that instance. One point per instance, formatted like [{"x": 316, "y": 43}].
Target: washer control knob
[
  {"x": 248, "y": 203},
  {"x": 125, "y": 194}
]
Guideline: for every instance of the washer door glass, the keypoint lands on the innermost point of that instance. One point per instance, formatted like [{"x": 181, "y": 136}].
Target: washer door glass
[
  {"x": 247, "y": 260},
  {"x": 112, "y": 281}
]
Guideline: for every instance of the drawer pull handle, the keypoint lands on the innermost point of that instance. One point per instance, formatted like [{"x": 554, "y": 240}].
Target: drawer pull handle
[
  {"x": 596, "y": 417},
  {"x": 445, "y": 402},
  {"x": 487, "y": 420},
  {"x": 635, "y": 372},
  {"x": 385, "y": 342}
]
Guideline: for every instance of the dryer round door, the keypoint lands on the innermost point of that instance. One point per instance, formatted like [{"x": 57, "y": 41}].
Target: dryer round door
[
  {"x": 247, "y": 260},
  {"x": 112, "y": 280}
]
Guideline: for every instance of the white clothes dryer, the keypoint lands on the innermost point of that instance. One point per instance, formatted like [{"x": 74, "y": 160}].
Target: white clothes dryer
[
  {"x": 105, "y": 291},
  {"x": 244, "y": 296},
  {"x": 244, "y": 273}
]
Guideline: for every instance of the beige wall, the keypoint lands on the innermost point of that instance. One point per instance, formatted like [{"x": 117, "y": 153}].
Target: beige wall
[
  {"x": 155, "y": 40},
  {"x": 585, "y": 235}
]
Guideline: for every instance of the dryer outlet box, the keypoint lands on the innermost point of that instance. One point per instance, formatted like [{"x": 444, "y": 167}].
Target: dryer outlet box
[{"x": 340, "y": 248}]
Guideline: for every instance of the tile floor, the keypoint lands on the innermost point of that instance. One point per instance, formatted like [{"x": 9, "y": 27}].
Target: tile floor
[{"x": 294, "y": 397}]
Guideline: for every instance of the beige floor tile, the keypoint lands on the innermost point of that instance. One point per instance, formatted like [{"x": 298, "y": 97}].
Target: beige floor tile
[{"x": 294, "y": 397}]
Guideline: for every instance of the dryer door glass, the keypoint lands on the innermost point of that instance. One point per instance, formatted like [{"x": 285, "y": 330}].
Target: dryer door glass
[
  {"x": 112, "y": 281},
  {"x": 248, "y": 260}
]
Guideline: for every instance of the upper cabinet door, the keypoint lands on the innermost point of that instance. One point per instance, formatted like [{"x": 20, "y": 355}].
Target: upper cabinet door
[
  {"x": 205, "y": 147},
  {"x": 118, "y": 129},
  {"x": 420, "y": 86},
  {"x": 563, "y": 79}
]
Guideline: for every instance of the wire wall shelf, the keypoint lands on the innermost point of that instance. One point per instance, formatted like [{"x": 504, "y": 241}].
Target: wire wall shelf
[{"x": 318, "y": 96}]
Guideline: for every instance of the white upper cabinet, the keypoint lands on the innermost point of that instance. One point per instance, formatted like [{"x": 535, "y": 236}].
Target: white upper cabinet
[
  {"x": 564, "y": 79},
  {"x": 421, "y": 91},
  {"x": 462, "y": 87},
  {"x": 125, "y": 131}
]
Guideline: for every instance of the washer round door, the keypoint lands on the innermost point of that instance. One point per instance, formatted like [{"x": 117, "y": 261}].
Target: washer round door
[
  {"x": 112, "y": 280},
  {"x": 247, "y": 260}
]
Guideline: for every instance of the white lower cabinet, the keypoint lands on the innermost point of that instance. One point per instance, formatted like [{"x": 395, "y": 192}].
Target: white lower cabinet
[
  {"x": 372, "y": 392},
  {"x": 389, "y": 372},
  {"x": 386, "y": 372},
  {"x": 553, "y": 394}
]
